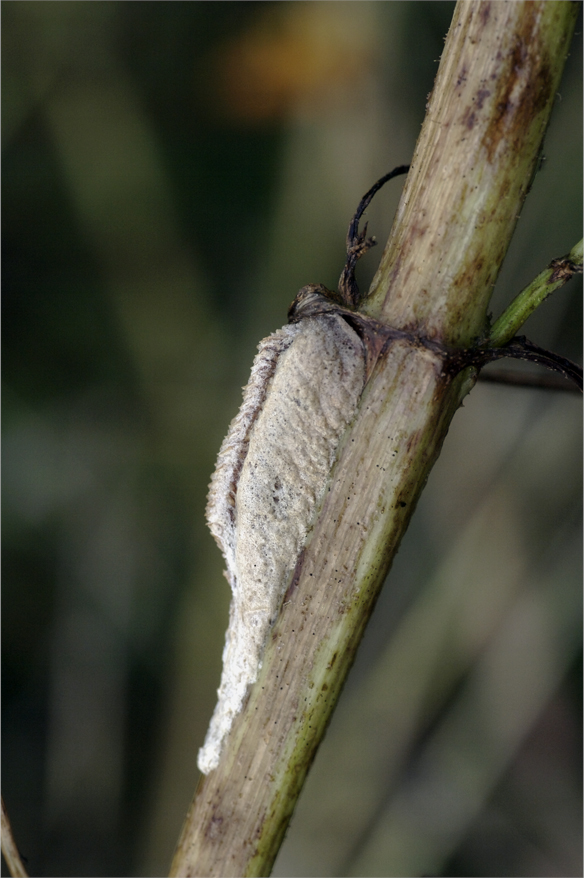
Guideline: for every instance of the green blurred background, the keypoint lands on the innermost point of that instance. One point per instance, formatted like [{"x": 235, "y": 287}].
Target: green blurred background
[{"x": 173, "y": 174}]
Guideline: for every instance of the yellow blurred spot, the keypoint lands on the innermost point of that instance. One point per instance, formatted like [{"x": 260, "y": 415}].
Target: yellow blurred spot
[{"x": 294, "y": 57}]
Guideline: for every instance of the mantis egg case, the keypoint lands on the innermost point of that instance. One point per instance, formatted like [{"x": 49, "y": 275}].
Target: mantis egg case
[{"x": 268, "y": 484}]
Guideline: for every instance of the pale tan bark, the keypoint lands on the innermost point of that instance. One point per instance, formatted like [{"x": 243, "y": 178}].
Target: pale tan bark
[
  {"x": 472, "y": 167},
  {"x": 9, "y": 849}
]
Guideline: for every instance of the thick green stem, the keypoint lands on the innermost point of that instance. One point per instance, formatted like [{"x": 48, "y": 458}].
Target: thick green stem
[
  {"x": 476, "y": 154},
  {"x": 550, "y": 279}
]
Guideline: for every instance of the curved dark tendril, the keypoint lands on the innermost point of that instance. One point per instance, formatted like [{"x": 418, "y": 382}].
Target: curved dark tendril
[
  {"x": 520, "y": 348},
  {"x": 358, "y": 243},
  {"x": 539, "y": 380},
  {"x": 316, "y": 299}
]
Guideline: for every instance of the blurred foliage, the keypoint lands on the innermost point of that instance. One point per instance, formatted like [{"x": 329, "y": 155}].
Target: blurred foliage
[{"x": 173, "y": 173}]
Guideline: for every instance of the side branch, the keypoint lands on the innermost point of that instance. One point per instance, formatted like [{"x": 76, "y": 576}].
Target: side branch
[
  {"x": 545, "y": 381},
  {"x": 558, "y": 273}
]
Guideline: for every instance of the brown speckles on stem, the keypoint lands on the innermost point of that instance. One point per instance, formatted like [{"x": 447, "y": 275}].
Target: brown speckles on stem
[
  {"x": 523, "y": 92},
  {"x": 471, "y": 169},
  {"x": 332, "y": 660},
  {"x": 485, "y": 12},
  {"x": 482, "y": 95},
  {"x": 214, "y": 827},
  {"x": 295, "y": 577}
]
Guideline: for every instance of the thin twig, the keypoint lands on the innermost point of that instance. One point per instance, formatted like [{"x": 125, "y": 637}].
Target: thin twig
[
  {"x": 520, "y": 348},
  {"x": 9, "y": 849},
  {"x": 358, "y": 243},
  {"x": 529, "y": 380}
]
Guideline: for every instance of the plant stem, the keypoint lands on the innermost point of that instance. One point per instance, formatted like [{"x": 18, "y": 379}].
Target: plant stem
[
  {"x": 558, "y": 272},
  {"x": 475, "y": 157},
  {"x": 9, "y": 849}
]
